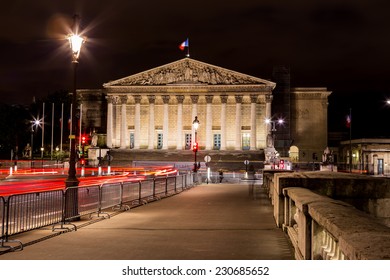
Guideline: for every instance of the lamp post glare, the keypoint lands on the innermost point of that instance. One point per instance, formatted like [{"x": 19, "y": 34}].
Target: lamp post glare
[
  {"x": 273, "y": 123},
  {"x": 35, "y": 123},
  {"x": 75, "y": 42},
  {"x": 195, "y": 147}
]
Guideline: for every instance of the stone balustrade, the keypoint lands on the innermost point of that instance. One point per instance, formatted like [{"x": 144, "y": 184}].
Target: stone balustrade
[{"x": 321, "y": 227}]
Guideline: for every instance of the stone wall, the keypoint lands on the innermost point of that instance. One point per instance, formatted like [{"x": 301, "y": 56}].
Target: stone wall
[{"x": 368, "y": 194}]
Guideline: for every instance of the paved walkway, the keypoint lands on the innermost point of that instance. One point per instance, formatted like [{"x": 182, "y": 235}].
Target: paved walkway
[{"x": 214, "y": 221}]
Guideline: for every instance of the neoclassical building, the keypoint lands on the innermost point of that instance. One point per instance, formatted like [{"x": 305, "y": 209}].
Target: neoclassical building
[{"x": 155, "y": 109}]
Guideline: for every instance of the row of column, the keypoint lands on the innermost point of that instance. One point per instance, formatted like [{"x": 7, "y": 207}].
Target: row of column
[{"x": 180, "y": 98}]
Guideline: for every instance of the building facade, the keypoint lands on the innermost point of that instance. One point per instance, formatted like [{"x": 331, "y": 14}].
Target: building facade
[
  {"x": 367, "y": 156},
  {"x": 155, "y": 109}
]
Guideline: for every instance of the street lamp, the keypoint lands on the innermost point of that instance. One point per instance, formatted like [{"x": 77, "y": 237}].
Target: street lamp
[
  {"x": 34, "y": 123},
  {"x": 195, "y": 147},
  {"x": 42, "y": 149},
  {"x": 57, "y": 150},
  {"x": 273, "y": 123},
  {"x": 76, "y": 43}
]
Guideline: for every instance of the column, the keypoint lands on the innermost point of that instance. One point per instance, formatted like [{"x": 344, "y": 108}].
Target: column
[
  {"x": 166, "y": 121},
  {"x": 238, "y": 122},
  {"x": 137, "y": 121},
  {"x": 152, "y": 99},
  {"x": 110, "y": 100},
  {"x": 179, "y": 136},
  {"x": 224, "y": 99},
  {"x": 194, "y": 99},
  {"x": 268, "y": 101},
  {"x": 209, "y": 122},
  {"x": 123, "y": 122},
  {"x": 253, "y": 121}
]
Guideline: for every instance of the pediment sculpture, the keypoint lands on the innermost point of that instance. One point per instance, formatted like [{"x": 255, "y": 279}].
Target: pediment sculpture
[{"x": 187, "y": 71}]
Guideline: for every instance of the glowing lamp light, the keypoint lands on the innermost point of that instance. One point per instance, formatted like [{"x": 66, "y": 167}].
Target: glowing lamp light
[
  {"x": 195, "y": 123},
  {"x": 75, "y": 42}
]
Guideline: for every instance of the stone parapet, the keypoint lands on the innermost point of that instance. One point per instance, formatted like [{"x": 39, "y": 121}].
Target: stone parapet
[
  {"x": 368, "y": 194},
  {"x": 323, "y": 228}
]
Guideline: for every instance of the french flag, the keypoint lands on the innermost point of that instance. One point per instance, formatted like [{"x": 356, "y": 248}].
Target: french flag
[
  {"x": 348, "y": 121},
  {"x": 184, "y": 45}
]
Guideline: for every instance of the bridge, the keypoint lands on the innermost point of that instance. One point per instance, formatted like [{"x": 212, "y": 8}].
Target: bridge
[{"x": 308, "y": 215}]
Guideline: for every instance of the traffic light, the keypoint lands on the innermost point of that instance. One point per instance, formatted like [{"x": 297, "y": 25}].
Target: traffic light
[
  {"x": 195, "y": 147},
  {"x": 82, "y": 161},
  {"x": 83, "y": 140},
  {"x": 281, "y": 164}
]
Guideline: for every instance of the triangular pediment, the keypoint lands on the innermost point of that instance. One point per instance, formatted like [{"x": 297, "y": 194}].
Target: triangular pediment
[{"x": 188, "y": 71}]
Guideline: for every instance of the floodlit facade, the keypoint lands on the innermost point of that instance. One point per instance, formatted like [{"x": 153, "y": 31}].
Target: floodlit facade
[{"x": 154, "y": 110}]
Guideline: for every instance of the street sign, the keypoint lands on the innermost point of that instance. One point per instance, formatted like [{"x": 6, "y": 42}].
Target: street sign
[
  {"x": 207, "y": 158},
  {"x": 246, "y": 162}
]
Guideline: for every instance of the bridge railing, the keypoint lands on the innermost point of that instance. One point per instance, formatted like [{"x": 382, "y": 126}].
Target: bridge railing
[
  {"x": 24, "y": 212},
  {"x": 323, "y": 228}
]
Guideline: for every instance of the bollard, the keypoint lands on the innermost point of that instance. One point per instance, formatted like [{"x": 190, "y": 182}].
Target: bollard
[
  {"x": 10, "y": 171},
  {"x": 100, "y": 171},
  {"x": 82, "y": 171}
]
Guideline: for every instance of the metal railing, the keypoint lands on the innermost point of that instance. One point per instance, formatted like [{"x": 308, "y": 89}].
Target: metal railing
[{"x": 24, "y": 212}]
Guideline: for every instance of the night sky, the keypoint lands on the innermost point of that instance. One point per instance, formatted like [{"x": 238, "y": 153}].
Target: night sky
[{"x": 341, "y": 45}]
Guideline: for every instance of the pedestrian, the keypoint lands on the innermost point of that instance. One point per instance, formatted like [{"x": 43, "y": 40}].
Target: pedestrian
[{"x": 220, "y": 176}]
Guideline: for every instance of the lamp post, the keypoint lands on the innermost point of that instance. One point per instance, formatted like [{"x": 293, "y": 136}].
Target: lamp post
[
  {"x": 34, "y": 123},
  {"x": 75, "y": 42},
  {"x": 42, "y": 149},
  {"x": 195, "y": 147},
  {"x": 272, "y": 154},
  {"x": 57, "y": 150},
  {"x": 273, "y": 127}
]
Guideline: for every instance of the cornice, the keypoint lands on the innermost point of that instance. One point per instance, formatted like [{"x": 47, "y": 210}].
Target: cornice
[{"x": 259, "y": 89}]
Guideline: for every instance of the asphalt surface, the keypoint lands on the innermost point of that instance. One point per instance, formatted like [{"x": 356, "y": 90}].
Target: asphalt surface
[{"x": 206, "y": 222}]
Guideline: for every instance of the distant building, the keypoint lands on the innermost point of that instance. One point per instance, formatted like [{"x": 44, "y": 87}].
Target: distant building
[
  {"x": 369, "y": 156},
  {"x": 154, "y": 110}
]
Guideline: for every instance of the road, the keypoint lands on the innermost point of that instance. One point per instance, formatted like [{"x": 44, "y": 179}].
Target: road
[{"x": 38, "y": 180}]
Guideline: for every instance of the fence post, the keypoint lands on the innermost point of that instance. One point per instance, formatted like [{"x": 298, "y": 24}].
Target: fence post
[
  {"x": 154, "y": 187},
  {"x": 139, "y": 192},
  {"x": 166, "y": 185},
  {"x": 121, "y": 195}
]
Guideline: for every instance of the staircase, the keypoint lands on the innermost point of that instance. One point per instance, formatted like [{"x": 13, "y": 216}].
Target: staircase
[{"x": 227, "y": 160}]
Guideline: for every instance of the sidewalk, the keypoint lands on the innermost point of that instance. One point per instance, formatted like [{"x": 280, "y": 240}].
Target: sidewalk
[{"x": 210, "y": 221}]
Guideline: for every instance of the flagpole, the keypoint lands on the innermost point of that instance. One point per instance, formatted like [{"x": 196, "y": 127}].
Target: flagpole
[
  {"x": 62, "y": 125},
  {"x": 43, "y": 128},
  {"x": 188, "y": 47},
  {"x": 350, "y": 141},
  {"x": 52, "y": 130}
]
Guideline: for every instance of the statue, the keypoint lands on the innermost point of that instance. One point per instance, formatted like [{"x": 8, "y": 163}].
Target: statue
[
  {"x": 27, "y": 151},
  {"x": 270, "y": 141},
  {"x": 94, "y": 139},
  {"x": 327, "y": 156}
]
